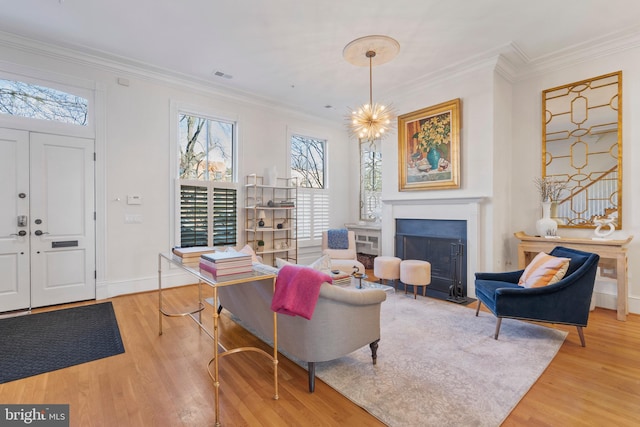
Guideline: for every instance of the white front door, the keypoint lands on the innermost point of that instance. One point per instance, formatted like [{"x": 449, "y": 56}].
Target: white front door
[
  {"x": 15, "y": 292},
  {"x": 58, "y": 202}
]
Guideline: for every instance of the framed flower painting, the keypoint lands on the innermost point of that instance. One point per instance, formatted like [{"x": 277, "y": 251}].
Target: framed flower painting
[{"x": 429, "y": 148}]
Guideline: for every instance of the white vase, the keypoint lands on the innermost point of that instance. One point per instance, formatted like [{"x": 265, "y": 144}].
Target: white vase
[
  {"x": 546, "y": 226},
  {"x": 270, "y": 176},
  {"x": 554, "y": 213}
]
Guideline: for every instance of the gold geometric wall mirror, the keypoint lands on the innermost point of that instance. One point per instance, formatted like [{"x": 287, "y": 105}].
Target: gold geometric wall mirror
[{"x": 582, "y": 149}]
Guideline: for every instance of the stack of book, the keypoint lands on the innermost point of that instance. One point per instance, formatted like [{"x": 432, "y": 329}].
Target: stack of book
[
  {"x": 340, "y": 278},
  {"x": 191, "y": 256},
  {"x": 219, "y": 264},
  {"x": 287, "y": 204}
]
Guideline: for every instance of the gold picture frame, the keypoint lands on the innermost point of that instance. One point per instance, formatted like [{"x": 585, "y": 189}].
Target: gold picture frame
[{"x": 429, "y": 148}]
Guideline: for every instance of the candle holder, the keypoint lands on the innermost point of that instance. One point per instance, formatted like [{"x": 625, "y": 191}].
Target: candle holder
[{"x": 358, "y": 278}]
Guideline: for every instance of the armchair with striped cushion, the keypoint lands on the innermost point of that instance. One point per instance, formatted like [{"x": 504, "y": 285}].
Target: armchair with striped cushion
[{"x": 566, "y": 301}]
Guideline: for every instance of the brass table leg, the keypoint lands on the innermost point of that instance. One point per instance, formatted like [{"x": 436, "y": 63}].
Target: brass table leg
[
  {"x": 159, "y": 295},
  {"x": 275, "y": 348},
  {"x": 216, "y": 374}
]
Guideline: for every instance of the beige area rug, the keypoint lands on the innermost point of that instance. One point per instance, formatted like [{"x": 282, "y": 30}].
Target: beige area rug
[{"x": 438, "y": 365}]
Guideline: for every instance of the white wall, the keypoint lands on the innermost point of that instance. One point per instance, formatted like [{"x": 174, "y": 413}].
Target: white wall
[
  {"x": 527, "y": 138},
  {"x": 475, "y": 88},
  {"x": 135, "y": 148},
  {"x": 501, "y": 209},
  {"x": 500, "y": 152}
]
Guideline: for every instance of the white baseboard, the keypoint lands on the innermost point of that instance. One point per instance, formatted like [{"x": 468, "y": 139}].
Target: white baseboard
[
  {"x": 106, "y": 290},
  {"x": 605, "y": 294},
  {"x": 306, "y": 255},
  {"x": 634, "y": 305},
  {"x": 610, "y": 301},
  {"x": 122, "y": 287},
  {"x": 605, "y": 300}
]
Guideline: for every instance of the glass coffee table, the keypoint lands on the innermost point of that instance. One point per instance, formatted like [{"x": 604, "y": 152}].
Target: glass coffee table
[{"x": 362, "y": 284}]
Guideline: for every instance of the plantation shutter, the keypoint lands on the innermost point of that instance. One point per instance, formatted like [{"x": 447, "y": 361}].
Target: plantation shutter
[
  {"x": 194, "y": 223},
  {"x": 320, "y": 214},
  {"x": 224, "y": 216},
  {"x": 313, "y": 215},
  {"x": 208, "y": 215}
]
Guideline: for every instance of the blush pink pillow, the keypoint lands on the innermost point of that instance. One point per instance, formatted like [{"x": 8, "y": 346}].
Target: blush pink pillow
[{"x": 544, "y": 270}]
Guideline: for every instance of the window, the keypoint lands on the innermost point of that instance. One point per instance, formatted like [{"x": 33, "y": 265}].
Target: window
[
  {"x": 44, "y": 103},
  {"x": 208, "y": 192},
  {"x": 308, "y": 165},
  {"x": 206, "y": 148},
  {"x": 308, "y": 161},
  {"x": 370, "y": 182}
]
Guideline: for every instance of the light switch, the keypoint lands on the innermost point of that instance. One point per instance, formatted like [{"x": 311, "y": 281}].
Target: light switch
[{"x": 134, "y": 200}]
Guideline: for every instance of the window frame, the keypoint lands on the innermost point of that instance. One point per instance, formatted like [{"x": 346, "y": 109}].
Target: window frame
[
  {"x": 368, "y": 146},
  {"x": 234, "y": 142},
  {"x": 86, "y": 89},
  {"x": 324, "y": 159},
  {"x": 176, "y": 109},
  {"x": 319, "y": 222},
  {"x": 44, "y": 94}
]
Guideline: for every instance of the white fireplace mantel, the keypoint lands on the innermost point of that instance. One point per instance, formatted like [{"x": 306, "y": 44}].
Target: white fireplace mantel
[
  {"x": 454, "y": 208},
  {"x": 440, "y": 201}
]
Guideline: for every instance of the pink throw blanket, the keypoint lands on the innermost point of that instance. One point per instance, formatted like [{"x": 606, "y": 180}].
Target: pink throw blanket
[{"x": 297, "y": 290}]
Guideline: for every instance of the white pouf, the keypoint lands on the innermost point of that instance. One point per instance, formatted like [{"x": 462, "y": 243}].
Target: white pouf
[
  {"x": 387, "y": 268},
  {"x": 415, "y": 273}
]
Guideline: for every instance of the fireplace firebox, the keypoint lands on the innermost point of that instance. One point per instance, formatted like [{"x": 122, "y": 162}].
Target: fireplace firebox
[{"x": 441, "y": 243}]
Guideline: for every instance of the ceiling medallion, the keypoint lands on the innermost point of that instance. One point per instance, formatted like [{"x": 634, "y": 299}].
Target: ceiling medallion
[{"x": 373, "y": 120}]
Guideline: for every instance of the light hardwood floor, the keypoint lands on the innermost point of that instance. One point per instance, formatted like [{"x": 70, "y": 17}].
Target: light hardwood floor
[{"x": 162, "y": 380}]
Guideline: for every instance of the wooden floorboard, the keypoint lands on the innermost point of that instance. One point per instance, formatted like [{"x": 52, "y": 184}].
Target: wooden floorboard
[{"x": 162, "y": 380}]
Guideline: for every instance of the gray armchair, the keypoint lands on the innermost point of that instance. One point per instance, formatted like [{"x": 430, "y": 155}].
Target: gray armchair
[{"x": 566, "y": 301}]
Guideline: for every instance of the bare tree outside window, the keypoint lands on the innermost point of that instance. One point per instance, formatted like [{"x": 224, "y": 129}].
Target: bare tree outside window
[
  {"x": 308, "y": 165},
  {"x": 206, "y": 148},
  {"x": 370, "y": 183},
  {"x": 208, "y": 194},
  {"x": 308, "y": 161},
  {"x": 39, "y": 102}
]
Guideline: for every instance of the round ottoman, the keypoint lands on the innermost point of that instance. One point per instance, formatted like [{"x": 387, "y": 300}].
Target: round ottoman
[
  {"x": 387, "y": 268},
  {"x": 415, "y": 273}
]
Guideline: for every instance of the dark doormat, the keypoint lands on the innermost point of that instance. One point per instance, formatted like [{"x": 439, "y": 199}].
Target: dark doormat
[{"x": 44, "y": 342}]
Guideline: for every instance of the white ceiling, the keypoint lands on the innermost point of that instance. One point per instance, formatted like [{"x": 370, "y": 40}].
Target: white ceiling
[{"x": 290, "y": 51}]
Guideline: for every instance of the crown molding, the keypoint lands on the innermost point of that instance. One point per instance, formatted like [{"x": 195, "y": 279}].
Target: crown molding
[
  {"x": 509, "y": 61},
  {"x": 485, "y": 60},
  {"x": 118, "y": 65},
  {"x": 514, "y": 64},
  {"x": 610, "y": 44}
]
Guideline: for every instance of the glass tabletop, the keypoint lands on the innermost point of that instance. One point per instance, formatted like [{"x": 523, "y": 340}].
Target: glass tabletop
[{"x": 231, "y": 279}]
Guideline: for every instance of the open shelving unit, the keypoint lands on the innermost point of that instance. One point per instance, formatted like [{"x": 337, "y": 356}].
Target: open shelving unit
[{"x": 275, "y": 204}]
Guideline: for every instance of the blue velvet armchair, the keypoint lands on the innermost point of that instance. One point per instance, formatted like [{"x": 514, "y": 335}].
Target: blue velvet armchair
[{"x": 566, "y": 301}]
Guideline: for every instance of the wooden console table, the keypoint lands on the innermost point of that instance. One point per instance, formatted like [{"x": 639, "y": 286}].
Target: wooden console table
[{"x": 613, "y": 253}]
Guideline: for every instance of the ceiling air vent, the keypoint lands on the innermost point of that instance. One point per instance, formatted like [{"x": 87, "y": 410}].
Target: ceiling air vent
[{"x": 221, "y": 74}]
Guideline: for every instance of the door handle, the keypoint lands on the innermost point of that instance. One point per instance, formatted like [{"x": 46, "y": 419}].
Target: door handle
[
  {"x": 40, "y": 232},
  {"x": 20, "y": 233}
]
